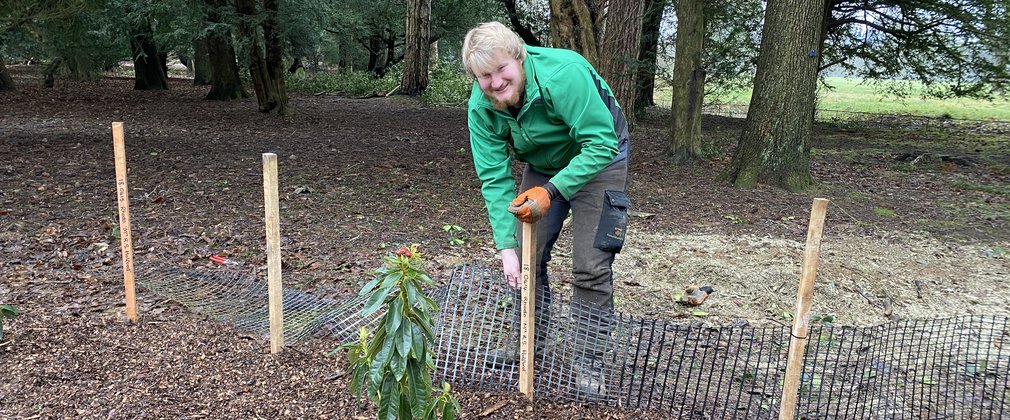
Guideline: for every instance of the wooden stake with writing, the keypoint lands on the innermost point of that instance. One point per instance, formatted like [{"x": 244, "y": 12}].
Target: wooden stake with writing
[
  {"x": 529, "y": 296},
  {"x": 125, "y": 239}
]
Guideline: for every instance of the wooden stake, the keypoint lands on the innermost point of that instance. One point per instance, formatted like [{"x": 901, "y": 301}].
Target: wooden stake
[
  {"x": 529, "y": 298},
  {"x": 801, "y": 318},
  {"x": 274, "y": 291},
  {"x": 125, "y": 240}
]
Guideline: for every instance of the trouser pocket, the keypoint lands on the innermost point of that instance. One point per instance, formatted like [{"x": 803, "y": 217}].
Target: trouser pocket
[{"x": 613, "y": 222}]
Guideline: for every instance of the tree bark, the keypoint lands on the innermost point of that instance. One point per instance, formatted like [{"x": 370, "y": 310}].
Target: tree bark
[
  {"x": 149, "y": 71},
  {"x": 278, "y": 92},
  {"x": 377, "y": 56},
  {"x": 416, "y": 56},
  {"x": 575, "y": 25},
  {"x": 652, "y": 18},
  {"x": 201, "y": 63},
  {"x": 619, "y": 52},
  {"x": 266, "y": 68},
  {"x": 688, "y": 83},
  {"x": 219, "y": 55},
  {"x": 225, "y": 83},
  {"x": 774, "y": 147},
  {"x": 6, "y": 82}
]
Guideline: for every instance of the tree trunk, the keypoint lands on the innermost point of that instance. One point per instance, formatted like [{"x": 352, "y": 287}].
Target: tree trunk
[
  {"x": 149, "y": 71},
  {"x": 652, "y": 18},
  {"x": 278, "y": 92},
  {"x": 774, "y": 146},
  {"x": 619, "y": 52},
  {"x": 433, "y": 59},
  {"x": 688, "y": 82},
  {"x": 201, "y": 62},
  {"x": 225, "y": 83},
  {"x": 575, "y": 25},
  {"x": 266, "y": 68},
  {"x": 377, "y": 56},
  {"x": 6, "y": 82},
  {"x": 416, "y": 54}
]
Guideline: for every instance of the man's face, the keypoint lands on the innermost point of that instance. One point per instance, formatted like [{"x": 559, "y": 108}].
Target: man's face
[{"x": 504, "y": 82}]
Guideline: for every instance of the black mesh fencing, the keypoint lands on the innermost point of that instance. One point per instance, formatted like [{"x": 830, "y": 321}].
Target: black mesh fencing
[{"x": 955, "y": 368}]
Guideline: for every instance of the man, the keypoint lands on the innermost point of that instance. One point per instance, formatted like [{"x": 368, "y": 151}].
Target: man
[{"x": 556, "y": 114}]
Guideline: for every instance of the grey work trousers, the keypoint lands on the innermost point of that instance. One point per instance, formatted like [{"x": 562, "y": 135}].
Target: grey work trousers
[{"x": 592, "y": 305}]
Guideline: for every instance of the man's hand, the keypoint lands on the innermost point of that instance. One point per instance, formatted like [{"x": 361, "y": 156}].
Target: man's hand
[
  {"x": 531, "y": 205},
  {"x": 510, "y": 266}
]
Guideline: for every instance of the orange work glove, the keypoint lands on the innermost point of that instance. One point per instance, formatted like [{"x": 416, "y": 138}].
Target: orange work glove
[{"x": 531, "y": 205}]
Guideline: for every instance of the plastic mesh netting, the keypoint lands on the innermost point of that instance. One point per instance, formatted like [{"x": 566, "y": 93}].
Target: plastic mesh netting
[{"x": 916, "y": 369}]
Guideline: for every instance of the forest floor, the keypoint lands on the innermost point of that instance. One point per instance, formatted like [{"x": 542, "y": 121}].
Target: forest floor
[{"x": 918, "y": 227}]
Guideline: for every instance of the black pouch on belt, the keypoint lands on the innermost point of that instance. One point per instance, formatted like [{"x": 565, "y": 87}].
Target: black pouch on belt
[{"x": 613, "y": 222}]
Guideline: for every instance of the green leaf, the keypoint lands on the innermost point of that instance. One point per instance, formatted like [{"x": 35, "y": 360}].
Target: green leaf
[
  {"x": 375, "y": 302},
  {"x": 394, "y": 399},
  {"x": 412, "y": 293},
  {"x": 447, "y": 412},
  {"x": 426, "y": 377},
  {"x": 377, "y": 342},
  {"x": 368, "y": 287},
  {"x": 927, "y": 381},
  {"x": 391, "y": 279},
  {"x": 394, "y": 317},
  {"x": 398, "y": 365},
  {"x": 417, "y": 339},
  {"x": 424, "y": 326},
  {"x": 455, "y": 404},
  {"x": 404, "y": 339},
  {"x": 378, "y": 368},
  {"x": 358, "y": 379},
  {"x": 422, "y": 393},
  {"x": 869, "y": 373},
  {"x": 9, "y": 311},
  {"x": 389, "y": 400},
  {"x": 406, "y": 406},
  {"x": 699, "y": 313}
]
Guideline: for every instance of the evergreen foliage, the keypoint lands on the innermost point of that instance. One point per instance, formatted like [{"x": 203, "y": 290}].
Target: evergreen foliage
[{"x": 393, "y": 365}]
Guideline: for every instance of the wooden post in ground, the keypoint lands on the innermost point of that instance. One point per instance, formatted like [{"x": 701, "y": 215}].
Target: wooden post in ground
[
  {"x": 125, "y": 240},
  {"x": 274, "y": 291},
  {"x": 801, "y": 317},
  {"x": 529, "y": 298}
]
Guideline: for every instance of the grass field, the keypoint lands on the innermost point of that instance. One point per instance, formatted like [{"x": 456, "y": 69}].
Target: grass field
[{"x": 852, "y": 95}]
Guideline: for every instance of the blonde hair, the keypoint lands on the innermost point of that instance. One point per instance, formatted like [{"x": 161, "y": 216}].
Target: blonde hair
[{"x": 481, "y": 41}]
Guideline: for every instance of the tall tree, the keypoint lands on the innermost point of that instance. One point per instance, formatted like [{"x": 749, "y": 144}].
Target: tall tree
[
  {"x": 688, "y": 82},
  {"x": 266, "y": 67},
  {"x": 148, "y": 63},
  {"x": 219, "y": 55},
  {"x": 577, "y": 25},
  {"x": 416, "y": 57},
  {"x": 201, "y": 62},
  {"x": 774, "y": 147},
  {"x": 619, "y": 52},
  {"x": 652, "y": 20}
]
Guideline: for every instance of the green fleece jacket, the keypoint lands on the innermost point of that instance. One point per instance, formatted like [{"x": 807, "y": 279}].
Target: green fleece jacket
[{"x": 565, "y": 129}]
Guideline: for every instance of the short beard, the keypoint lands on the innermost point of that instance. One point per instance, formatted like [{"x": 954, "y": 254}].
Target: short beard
[{"x": 516, "y": 97}]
